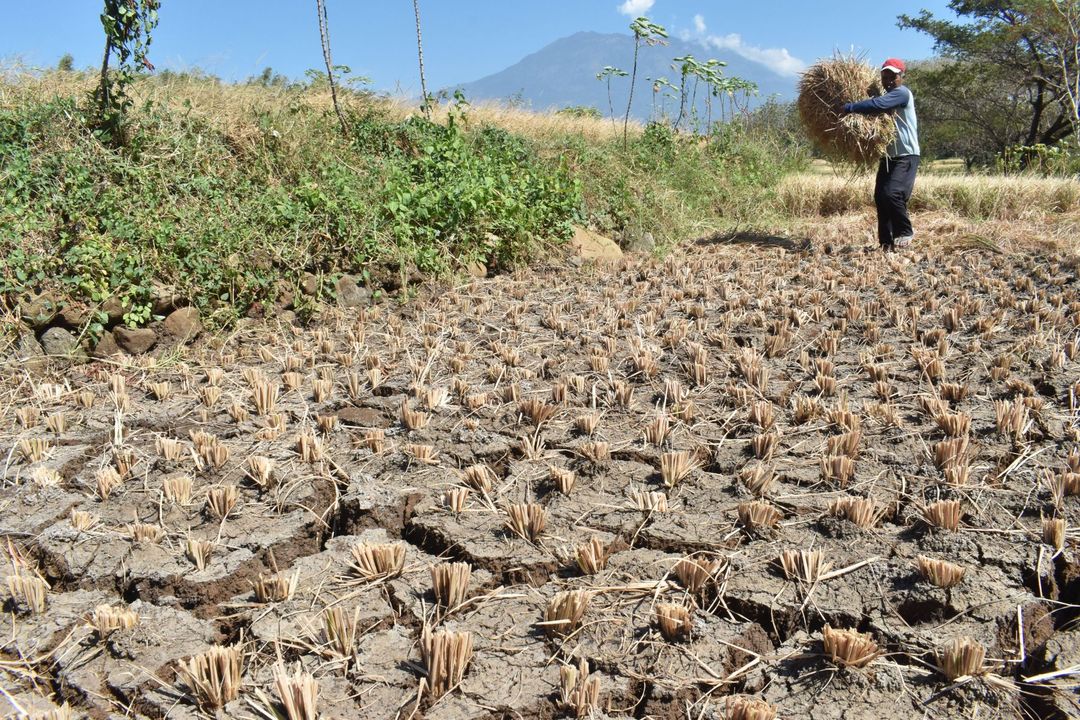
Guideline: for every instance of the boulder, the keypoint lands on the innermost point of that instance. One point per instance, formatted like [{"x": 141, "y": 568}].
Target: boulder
[
  {"x": 643, "y": 243},
  {"x": 106, "y": 346},
  {"x": 134, "y": 341},
  {"x": 591, "y": 246},
  {"x": 74, "y": 316},
  {"x": 184, "y": 324},
  {"x": 58, "y": 342},
  {"x": 39, "y": 311},
  {"x": 163, "y": 299},
  {"x": 28, "y": 352},
  {"x": 309, "y": 284},
  {"x": 351, "y": 295},
  {"x": 114, "y": 309}
]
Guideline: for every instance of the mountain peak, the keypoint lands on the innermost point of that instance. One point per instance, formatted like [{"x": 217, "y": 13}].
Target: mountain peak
[{"x": 563, "y": 74}]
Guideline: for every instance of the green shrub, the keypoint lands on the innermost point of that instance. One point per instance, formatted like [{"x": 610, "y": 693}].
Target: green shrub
[{"x": 232, "y": 193}]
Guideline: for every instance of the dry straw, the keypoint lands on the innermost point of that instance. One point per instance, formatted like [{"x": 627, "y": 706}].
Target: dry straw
[
  {"x": 278, "y": 587},
  {"x": 450, "y": 581},
  {"x": 374, "y": 562},
  {"x": 827, "y": 85},
  {"x": 527, "y": 520},
  {"x": 107, "y": 619},
  {"x": 864, "y": 512},
  {"x": 578, "y": 691},
  {"x": 807, "y": 566},
  {"x": 28, "y": 591},
  {"x": 674, "y": 621},
  {"x": 961, "y": 657},
  {"x": 298, "y": 692},
  {"x": 446, "y": 656},
  {"x": 758, "y": 514},
  {"x": 848, "y": 648},
  {"x": 213, "y": 676},
  {"x": 564, "y": 612},
  {"x": 939, "y": 572},
  {"x": 744, "y": 708},
  {"x": 695, "y": 572},
  {"x": 592, "y": 556}
]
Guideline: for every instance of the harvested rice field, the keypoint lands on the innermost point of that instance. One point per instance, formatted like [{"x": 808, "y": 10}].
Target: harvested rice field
[{"x": 739, "y": 483}]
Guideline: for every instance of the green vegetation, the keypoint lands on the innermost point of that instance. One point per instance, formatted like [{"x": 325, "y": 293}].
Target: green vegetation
[
  {"x": 1007, "y": 81},
  {"x": 231, "y": 193}
]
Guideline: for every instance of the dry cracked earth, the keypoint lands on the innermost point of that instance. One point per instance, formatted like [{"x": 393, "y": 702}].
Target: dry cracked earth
[{"x": 740, "y": 482}]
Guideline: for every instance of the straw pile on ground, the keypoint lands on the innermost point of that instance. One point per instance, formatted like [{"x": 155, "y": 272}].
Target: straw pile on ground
[{"x": 824, "y": 88}]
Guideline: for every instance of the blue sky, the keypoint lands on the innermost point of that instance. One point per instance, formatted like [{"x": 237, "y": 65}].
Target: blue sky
[{"x": 463, "y": 39}]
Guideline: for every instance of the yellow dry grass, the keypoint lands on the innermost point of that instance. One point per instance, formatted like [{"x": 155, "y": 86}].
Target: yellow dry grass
[
  {"x": 234, "y": 108},
  {"x": 949, "y": 230},
  {"x": 986, "y": 197}
]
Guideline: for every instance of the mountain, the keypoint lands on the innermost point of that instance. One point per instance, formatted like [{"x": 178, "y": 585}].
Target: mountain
[{"x": 563, "y": 74}]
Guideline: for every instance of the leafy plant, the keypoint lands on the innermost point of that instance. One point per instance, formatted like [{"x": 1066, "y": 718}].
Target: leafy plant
[
  {"x": 605, "y": 75},
  {"x": 645, "y": 32},
  {"x": 128, "y": 25}
]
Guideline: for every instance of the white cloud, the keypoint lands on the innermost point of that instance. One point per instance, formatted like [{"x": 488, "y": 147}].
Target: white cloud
[
  {"x": 779, "y": 60},
  {"x": 699, "y": 24},
  {"x": 636, "y": 8}
]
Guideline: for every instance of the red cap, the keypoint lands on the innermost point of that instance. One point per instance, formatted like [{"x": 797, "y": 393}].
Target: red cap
[{"x": 895, "y": 64}]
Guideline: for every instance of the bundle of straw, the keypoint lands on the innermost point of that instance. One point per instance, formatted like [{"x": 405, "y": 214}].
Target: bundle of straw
[{"x": 824, "y": 88}]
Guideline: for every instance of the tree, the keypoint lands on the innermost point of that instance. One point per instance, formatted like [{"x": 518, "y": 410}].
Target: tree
[
  {"x": 128, "y": 25},
  {"x": 1008, "y": 49},
  {"x": 1058, "y": 25},
  {"x": 606, "y": 74},
  {"x": 688, "y": 67},
  {"x": 648, "y": 33},
  {"x": 324, "y": 36},
  {"x": 426, "y": 107},
  {"x": 967, "y": 111},
  {"x": 66, "y": 63}
]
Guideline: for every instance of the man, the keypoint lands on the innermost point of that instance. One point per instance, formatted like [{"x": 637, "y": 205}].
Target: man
[{"x": 896, "y": 172}]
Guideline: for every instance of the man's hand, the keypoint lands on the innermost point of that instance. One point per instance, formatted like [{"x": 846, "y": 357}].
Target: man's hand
[{"x": 841, "y": 110}]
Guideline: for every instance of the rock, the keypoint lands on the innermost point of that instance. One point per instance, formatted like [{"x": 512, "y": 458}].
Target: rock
[
  {"x": 643, "y": 243},
  {"x": 135, "y": 341},
  {"x": 28, "y": 352},
  {"x": 351, "y": 295},
  {"x": 106, "y": 346},
  {"x": 74, "y": 316},
  {"x": 184, "y": 324},
  {"x": 58, "y": 342},
  {"x": 114, "y": 309},
  {"x": 590, "y": 246},
  {"x": 361, "y": 416},
  {"x": 256, "y": 311},
  {"x": 39, "y": 311},
  {"x": 163, "y": 299},
  {"x": 309, "y": 284}
]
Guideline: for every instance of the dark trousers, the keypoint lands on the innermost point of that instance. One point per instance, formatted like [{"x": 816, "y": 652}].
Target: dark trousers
[{"x": 895, "y": 181}]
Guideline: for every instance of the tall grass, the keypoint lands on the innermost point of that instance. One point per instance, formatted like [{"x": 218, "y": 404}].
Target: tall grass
[
  {"x": 976, "y": 197},
  {"x": 233, "y": 192}
]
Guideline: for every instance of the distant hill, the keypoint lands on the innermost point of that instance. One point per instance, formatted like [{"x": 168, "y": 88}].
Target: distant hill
[{"x": 563, "y": 74}]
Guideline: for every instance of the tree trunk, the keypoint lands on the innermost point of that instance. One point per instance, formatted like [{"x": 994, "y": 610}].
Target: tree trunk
[
  {"x": 104, "y": 88},
  {"x": 425, "y": 106},
  {"x": 324, "y": 35},
  {"x": 630, "y": 102}
]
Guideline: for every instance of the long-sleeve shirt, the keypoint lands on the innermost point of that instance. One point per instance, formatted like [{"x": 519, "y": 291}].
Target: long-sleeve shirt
[{"x": 900, "y": 103}]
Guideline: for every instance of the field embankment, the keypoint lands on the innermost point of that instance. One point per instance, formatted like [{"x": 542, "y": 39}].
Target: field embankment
[
  {"x": 244, "y": 199},
  {"x": 241, "y": 196}
]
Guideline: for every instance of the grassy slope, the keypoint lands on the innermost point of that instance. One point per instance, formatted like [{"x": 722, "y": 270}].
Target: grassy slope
[{"x": 231, "y": 193}]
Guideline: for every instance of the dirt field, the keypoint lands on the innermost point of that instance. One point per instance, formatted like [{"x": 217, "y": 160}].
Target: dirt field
[{"x": 733, "y": 405}]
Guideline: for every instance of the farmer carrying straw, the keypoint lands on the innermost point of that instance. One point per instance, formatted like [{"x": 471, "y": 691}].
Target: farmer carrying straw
[{"x": 896, "y": 171}]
